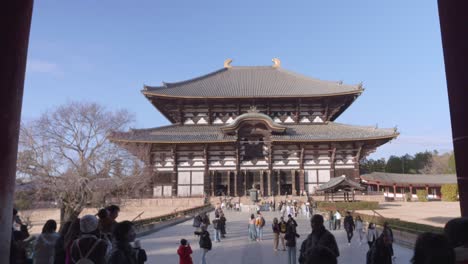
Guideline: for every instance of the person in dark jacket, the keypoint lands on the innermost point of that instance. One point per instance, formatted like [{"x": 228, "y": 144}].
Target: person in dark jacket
[
  {"x": 349, "y": 227},
  {"x": 60, "y": 244},
  {"x": 18, "y": 246},
  {"x": 320, "y": 237},
  {"x": 222, "y": 223},
  {"x": 387, "y": 234},
  {"x": 89, "y": 245},
  {"x": 379, "y": 253},
  {"x": 290, "y": 238},
  {"x": 184, "y": 252},
  {"x": 205, "y": 242},
  {"x": 320, "y": 255},
  {"x": 431, "y": 248},
  {"x": 122, "y": 251}
]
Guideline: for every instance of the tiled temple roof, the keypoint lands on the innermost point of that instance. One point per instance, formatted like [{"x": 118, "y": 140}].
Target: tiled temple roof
[
  {"x": 212, "y": 133},
  {"x": 252, "y": 82},
  {"x": 384, "y": 178},
  {"x": 339, "y": 183}
]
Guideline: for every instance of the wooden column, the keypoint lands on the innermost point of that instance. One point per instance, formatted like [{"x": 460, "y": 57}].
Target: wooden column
[
  {"x": 453, "y": 21},
  {"x": 332, "y": 163},
  {"x": 15, "y": 23},
  {"x": 206, "y": 178},
  {"x": 174, "y": 171},
  {"x": 245, "y": 182},
  {"x": 394, "y": 192},
  {"x": 269, "y": 182},
  {"x": 301, "y": 172},
  {"x": 293, "y": 182},
  {"x": 229, "y": 183},
  {"x": 278, "y": 178},
  {"x": 262, "y": 185},
  {"x": 212, "y": 176},
  {"x": 235, "y": 184},
  {"x": 411, "y": 191}
]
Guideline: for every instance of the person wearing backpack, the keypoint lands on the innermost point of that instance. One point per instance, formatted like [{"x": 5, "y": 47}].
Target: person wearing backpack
[
  {"x": 122, "y": 252},
  {"x": 283, "y": 228},
  {"x": 205, "y": 242},
  {"x": 259, "y": 223},
  {"x": 88, "y": 248}
]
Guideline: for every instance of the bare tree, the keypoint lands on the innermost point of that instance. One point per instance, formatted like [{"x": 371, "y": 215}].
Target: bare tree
[{"x": 66, "y": 151}]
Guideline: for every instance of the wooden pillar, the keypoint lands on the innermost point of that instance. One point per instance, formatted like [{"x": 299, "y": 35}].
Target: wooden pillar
[
  {"x": 269, "y": 182},
  {"x": 245, "y": 182},
  {"x": 293, "y": 182},
  {"x": 212, "y": 176},
  {"x": 332, "y": 163},
  {"x": 378, "y": 187},
  {"x": 453, "y": 21},
  {"x": 411, "y": 191},
  {"x": 301, "y": 181},
  {"x": 262, "y": 185},
  {"x": 235, "y": 184},
  {"x": 15, "y": 23},
  {"x": 278, "y": 178},
  {"x": 229, "y": 183},
  {"x": 174, "y": 177},
  {"x": 394, "y": 192}
]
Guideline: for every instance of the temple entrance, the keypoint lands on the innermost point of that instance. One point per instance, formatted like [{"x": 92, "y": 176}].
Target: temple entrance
[
  {"x": 285, "y": 182},
  {"x": 221, "y": 184},
  {"x": 253, "y": 180}
]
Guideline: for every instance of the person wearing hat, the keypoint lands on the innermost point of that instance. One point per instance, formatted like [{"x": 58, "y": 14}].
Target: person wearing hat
[{"x": 89, "y": 245}]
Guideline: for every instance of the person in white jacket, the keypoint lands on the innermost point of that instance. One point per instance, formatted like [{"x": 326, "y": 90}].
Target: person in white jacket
[
  {"x": 359, "y": 228},
  {"x": 372, "y": 234},
  {"x": 44, "y": 249}
]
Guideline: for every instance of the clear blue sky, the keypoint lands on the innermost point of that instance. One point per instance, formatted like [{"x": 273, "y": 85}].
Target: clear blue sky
[{"x": 104, "y": 51}]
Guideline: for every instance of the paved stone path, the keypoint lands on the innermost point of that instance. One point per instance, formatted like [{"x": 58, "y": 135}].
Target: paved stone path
[{"x": 161, "y": 246}]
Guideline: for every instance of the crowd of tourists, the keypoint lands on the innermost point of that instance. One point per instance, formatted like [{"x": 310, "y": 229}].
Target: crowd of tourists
[
  {"x": 97, "y": 239},
  {"x": 320, "y": 245}
]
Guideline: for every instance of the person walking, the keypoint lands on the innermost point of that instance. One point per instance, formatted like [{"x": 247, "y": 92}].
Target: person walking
[
  {"x": 217, "y": 229},
  {"x": 349, "y": 227},
  {"x": 205, "y": 242},
  {"x": 122, "y": 252},
  {"x": 372, "y": 234},
  {"x": 44, "y": 248},
  {"x": 331, "y": 221},
  {"x": 387, "y": 234},
  {"x": 276, "y": 233},
  {"x": 252, "y": 228},
  {"x": 283, "y": 227},
  {"x": 184, "y": 251},
  {"x": 259, "y": 223},
  {"x": 337, "y": 217},
  {"x": 89, "y": 246},
  {"x": 359, "y": 228},
  {"x": 290, "y": 238},
  {"x": 320, "y": 237},
  {"x": 222, "y": 223}
]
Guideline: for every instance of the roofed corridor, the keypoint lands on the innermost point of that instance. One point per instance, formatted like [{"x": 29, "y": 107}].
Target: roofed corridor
[{"x": 161, "y": 246}]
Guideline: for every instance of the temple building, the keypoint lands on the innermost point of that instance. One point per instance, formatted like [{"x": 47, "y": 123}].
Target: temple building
[{"x": 260, "y": 127}]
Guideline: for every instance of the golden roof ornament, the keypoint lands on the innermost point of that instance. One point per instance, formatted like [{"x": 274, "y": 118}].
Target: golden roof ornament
[
  {"x": 227, "y": 63},
  {"x": 276, "y": 63}
]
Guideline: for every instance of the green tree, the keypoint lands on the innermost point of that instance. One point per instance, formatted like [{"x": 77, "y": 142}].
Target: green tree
[{"x": 394, "y": 165}]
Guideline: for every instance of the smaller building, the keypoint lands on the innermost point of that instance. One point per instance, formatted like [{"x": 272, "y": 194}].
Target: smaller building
[
  {"x": 339, "y": 188},
  {"x": 395, "y": 185}
]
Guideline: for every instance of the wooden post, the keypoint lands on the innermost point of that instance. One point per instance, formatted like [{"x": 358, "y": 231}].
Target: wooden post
[
  {"x": 332, "y": 163},
  {"x": 15, "y": 23},
  {"x": 278, "y": 178},
  {"x": 453, "y": 21},
  {"x": 411, "y": 191},
  {"x": 229, "y": 183},
  {"x": 301, "y": 172},
  {"x": 394, "y": 192},
  {"x": 245, "y": 182},
  {"x": 293, "y": 182},
  {"x": 212, "y": 176},
  {"x": 174, "y": 171},
  {"x": 269, "y": 182},
  {"x": 262, "y": 187},
  {"x": 235, "y": 184}
]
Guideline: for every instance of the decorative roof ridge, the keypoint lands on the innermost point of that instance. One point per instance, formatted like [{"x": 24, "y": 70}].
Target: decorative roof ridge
[
  {"x": 300, "y": 75},
  {"x": 409, "y": 174},
  {"x": 171, "y": 84},
  {"x": 253, "y": 114}
]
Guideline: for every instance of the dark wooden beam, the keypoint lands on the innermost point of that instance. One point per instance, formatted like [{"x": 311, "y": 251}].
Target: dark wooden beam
[
  {"x": 453, "y": 20},
  {"x": 15, "y": 23}
]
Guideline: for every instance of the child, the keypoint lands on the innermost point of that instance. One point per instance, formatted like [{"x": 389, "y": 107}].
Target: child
[{"x": 184, "y": 252}]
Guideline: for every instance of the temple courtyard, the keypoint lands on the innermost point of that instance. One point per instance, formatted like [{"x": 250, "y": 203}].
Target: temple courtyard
[{"x": 161, "y": 246}]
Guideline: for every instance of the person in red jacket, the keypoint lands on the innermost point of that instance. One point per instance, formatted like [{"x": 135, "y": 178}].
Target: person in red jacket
[{"x": 184, "y": 252}]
